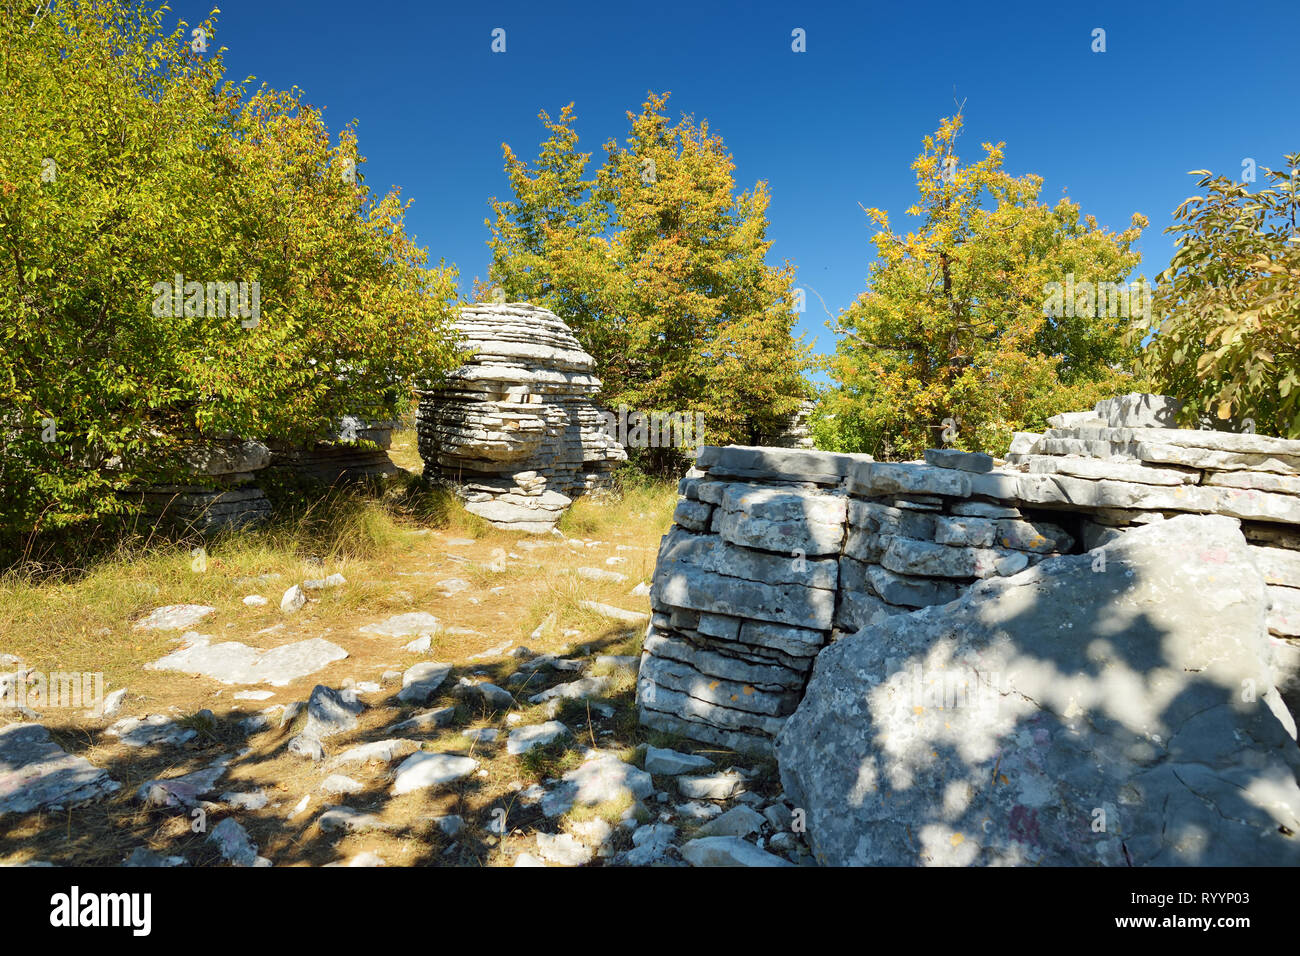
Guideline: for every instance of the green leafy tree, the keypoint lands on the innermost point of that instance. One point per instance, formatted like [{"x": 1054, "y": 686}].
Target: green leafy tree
[
  {"x": 979, "y": 322},
  {"x": 1225, "y": 333},
  {"x": 659, "y": 264},
  {"x": 128, "y": 161}
]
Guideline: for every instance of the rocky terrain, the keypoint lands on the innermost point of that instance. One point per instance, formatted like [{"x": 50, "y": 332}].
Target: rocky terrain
[{"x": 467, "y": 701}]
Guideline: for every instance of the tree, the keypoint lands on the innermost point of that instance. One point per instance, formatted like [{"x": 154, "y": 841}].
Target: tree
[
  {"x": 982, "y": 322},
  {"x": 128, "y": 162},
  {"x": 660, "y": 267},
  {"x": 1227, "y": 340}
]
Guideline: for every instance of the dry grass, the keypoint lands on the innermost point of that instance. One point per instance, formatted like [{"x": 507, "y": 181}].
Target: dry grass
[{"x": 394, "y": 547}]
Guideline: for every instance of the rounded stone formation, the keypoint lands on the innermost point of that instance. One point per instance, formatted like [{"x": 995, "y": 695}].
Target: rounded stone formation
[{"x": 514, "y": 428}]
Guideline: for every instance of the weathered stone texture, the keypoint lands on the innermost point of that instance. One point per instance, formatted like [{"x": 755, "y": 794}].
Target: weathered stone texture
[
  {"x": 514, "y": 428},
  {"x": 776, "y": 553}
]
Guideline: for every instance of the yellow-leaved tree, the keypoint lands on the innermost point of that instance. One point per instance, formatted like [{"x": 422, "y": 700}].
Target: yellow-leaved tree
[
  {"x": 660, "y": 266},
  {"x": 993, "y": 313}
]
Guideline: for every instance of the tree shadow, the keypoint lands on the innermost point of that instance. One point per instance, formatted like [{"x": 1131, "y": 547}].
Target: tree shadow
[
  {"x": 104, "y": 832},
  {"x": 1084, "y": 712}
]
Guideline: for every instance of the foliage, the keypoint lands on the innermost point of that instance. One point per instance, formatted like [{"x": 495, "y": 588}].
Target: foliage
[
  {"x": 659, "y": 266},
  {"x": 1228, "y": 338},
  {"x": 128, "y": 161},
  {"x": 954, "y": 324}
]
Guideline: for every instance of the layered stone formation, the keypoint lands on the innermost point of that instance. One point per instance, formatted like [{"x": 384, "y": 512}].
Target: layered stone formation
[
  {"x": 514, "y": 428},
  {"x": 775, "y": 552},
  {"x": 222, "y": 492},
  {"x": 795, "y": 431},
  {"x": 357, "y": 448}
]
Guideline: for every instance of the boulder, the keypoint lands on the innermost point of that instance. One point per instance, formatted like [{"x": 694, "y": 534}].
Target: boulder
[
  {"x": 514, "y": 429},
  {"x": 1111, "y": 708}
]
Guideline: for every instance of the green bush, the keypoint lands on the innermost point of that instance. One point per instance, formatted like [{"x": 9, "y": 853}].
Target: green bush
[{"x": 129, "y": 161}]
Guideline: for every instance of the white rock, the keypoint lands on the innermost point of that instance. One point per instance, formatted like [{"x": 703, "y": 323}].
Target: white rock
[
  {"x": 174, "y": 617},
  {"x": 718, "y": 786},
  {"x": 337, "y": 783},
  {"x": 422, "y": 770},
  {"x": 235, "y": 663},
  {"x": 293, "y": 600},
  {"x": 321, "y": 584},
  {"x": 563, "y": 849},
  {"x": 524, "y": 739},
  {"x": 728, "y": 851},
  {"x": 672, "y": 763}
]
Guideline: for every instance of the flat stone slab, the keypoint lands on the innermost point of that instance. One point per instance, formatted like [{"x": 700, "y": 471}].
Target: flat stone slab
[
  {"x": 36, "y": 772},
  {"x": 174, "y": 617},
  {"x": 184, "y": 791},
  {"x": 423, "y": 770},
  {"x": 602, "y": 778},
  {"x": 524, "y": 739},
  {"x": 728, "y": 851},
  {"x": 150, "y": 730},
  {"x": 231, "y": 662},
  {"x": 382, "y": 751},
  {"x": 432, "y": 720},
  {"x": 574, "y": 690},
  {"x": 782, "y": 464},
  {"x": 353, "y": 821},
  {"x": 413, "y": 624},
  {"x": 673, "y": 762},
  {"x": 420, "y": 682},
  {"x": 976, "y": 462}
]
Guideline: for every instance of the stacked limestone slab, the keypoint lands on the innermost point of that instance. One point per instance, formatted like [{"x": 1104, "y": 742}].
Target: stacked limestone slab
[
  {"x": 796, "y": 432},
  {"x": 514, "y": 428},
  {"x": 221, "y": 494},
  {"x": 775, "y": 552},
  {"x": 358, "y": 448}
]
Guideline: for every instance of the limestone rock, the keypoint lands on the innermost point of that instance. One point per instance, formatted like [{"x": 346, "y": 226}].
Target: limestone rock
[
  {"x": 234, "y": 844},
  {"x": 231, "y": 662},
  {"x": 671, "y": 762},
  {"x": 36, "y": 772},
  {"x": 728, "y": 851},
  {"x": 514, "y": 428},
  {"x": 174, "y": 617},
  {"x": 524, "y": 739},
  {"x": 958, "y": 460},
  {"x": 419, "y": 683},
  {"x": 739, "y": 821},
  {"x": 602, "y": 778},
  {"x": 1082, "y": 693},
  {"x": 423, "y": 769}
]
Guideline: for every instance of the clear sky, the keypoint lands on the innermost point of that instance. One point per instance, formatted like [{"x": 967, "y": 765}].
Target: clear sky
[{"x": 1181, "y": 86}]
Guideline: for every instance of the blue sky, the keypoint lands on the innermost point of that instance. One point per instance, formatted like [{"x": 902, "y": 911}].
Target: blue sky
[{"x": 1181, "y": 86}]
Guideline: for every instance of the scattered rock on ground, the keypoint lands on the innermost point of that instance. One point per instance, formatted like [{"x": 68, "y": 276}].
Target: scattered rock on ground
[{"x": 36, "y": 772}]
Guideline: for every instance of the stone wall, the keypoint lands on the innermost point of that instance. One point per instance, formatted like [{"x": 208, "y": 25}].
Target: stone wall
[
  {"x": 775, "y": 552},
  {"x": 514, "y": 428}
]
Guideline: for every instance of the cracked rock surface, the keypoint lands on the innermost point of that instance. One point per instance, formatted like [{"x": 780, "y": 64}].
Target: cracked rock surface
[{"x": 1079, "y": 713}]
